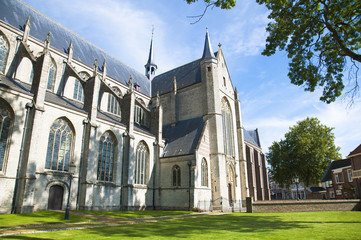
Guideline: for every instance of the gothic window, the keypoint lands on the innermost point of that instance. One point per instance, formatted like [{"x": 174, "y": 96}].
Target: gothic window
[
  {"x": 4, "y": 51},
  {"x": 176, "y": 173},
  {"x": 227, "y": 129},
  {"x": 141, "y": 162},
  {"x": 140, "y": 117},
  {"x": 204, "y": 173},
  {"x": 106, "y": 157},
  {"x": 51, "y": 77},
  {"x": 6, "y": 120},
  {"x": 78, "y": 91},
  {"x": 59, "y": 146},
  {"x": 113, "y": 104}
]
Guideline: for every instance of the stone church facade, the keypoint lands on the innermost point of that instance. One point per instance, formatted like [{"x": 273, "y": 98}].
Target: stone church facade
[{"x": 75, "y": 120}]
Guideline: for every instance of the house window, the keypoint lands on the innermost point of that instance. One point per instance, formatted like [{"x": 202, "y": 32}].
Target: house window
[
  {"x": 59, "y": 146},
  {"x": 349, "y": 175},
  {"x": 227, "y": 128},
  {"x": 204, "y": 173},
  {"x": 113, "y": 105},
  {"x": 106, "y": 157},
  {"x": 6, "y": 121},
  {"x": 176, "y": 173},
  {"x": 78, "y": 91},
  {"x": 51, "y": 77},
  {"x": 332, "y": 194},
  {"x": 4, "y": 51},
  {"x": 339, "y": 177},
  {"x": 141, "y": 162}
]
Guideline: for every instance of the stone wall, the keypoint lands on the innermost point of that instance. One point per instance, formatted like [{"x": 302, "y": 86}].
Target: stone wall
[{"x": 303, "y": 206}]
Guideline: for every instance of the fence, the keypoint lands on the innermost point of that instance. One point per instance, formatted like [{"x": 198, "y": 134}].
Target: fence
[{"x": 221, "y": 204}]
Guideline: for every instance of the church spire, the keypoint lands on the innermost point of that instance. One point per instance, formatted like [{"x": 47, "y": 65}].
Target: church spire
[
  {"x": 150, "y": 67},
  {"x": 207, "y": 51}
]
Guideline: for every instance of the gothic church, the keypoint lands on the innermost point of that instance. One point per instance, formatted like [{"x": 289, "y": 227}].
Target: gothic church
[{"x": 78, "y": 124}]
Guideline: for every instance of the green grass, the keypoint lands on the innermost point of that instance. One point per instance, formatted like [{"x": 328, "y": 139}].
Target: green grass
[
  {"x": 136, "y": 214},
  {"x": 303, "y": 225},
  {"x": 41, "y": 217}
]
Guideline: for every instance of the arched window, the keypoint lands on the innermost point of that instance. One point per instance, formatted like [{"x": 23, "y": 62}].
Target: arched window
[
  {"x": 106, "y": 157},
  {"x": 6, "y": 122},
  {"x": 59, "y": 146},
  {"x": 204, "y": 173},
  {"x": 113, "y": 104},
  {"x": 51, "y": 77},
  {"x": 78, "y": 91},
  {"x": 141, "y": 162},
  {"x": 176, "y": 173},
  {"x": 140, "y": 116},
  {"x": 4, "y": 51},
  {"x": 227, "y": 129}
]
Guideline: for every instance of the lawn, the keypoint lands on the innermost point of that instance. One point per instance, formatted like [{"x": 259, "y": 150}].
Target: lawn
[
  {"x": 304, "y": 225},
  {"x": 42, "y": 217},
  {"x": 137, "y": 214}
]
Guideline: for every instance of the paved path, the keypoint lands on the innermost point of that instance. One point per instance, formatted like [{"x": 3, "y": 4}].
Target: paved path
[{"x": 99, "y": 221}]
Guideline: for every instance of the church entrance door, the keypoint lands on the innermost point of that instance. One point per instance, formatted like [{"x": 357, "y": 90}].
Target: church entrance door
[{"x": 55, "y": 201}]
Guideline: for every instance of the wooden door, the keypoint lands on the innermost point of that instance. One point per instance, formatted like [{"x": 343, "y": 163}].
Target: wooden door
[{"x": 55, "y": 201}]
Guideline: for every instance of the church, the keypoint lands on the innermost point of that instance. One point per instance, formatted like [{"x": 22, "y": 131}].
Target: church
[{"x": 79, "y": 125}]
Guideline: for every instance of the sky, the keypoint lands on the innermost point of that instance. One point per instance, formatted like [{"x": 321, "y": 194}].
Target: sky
[{"x": 269, "y": 101}]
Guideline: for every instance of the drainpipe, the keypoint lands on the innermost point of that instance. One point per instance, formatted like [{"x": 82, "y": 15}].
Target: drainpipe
[
  {"x": 125, "y": 134},
  {"x": 189, "y": 163},
  {"x": 28, "y": 106},
  {"x": 155, "y": 158},
  {"x": 85, "y": 123}
]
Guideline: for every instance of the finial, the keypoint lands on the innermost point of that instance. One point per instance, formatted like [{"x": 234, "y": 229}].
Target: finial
[
  {"x": 26, "y": 29},
  {"x": 70, "y": 51},
  {"x": 47, "y": 41},
  {"x": 104, "y": 69},
  {"x": 95, "y": 65},
  {"x": 130, "y": 84},
  {"x": 219, "y": 45},
  {"x": 175, "y": 84},
  {"x": 152, "y": 30},
  {"x": 157, "y": 103}
]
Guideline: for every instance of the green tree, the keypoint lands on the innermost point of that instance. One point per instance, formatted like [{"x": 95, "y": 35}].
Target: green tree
[
  {"x": 306, "y": 152},
  {"x": 224, "y": 4},
  {"x": 322, "y": 38}
]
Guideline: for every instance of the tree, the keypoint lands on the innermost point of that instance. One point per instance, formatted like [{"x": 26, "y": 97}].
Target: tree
[
  {"x": 306, "y": 152},
  {"x": 322, "y": 38},
  {"x": 223, "y": 4}
]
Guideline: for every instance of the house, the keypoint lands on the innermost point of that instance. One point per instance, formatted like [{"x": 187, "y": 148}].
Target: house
[
  {"x": 338, "y": 181},
  {"x": 355, "y": 157}
]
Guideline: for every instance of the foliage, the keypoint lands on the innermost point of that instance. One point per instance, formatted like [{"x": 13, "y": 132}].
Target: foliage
[
  {"x": 224, "y": 4},
  {"x": 297, "y": 225},
  {"x": 321, "y": 38},
  {"x": 306, "y": 152}
]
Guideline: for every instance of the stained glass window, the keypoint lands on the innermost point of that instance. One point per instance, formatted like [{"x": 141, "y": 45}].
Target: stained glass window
[
  {"x": 59, "y": 146},
  {"x": 6, "y": 120},
  {"x": 51, "y": 77},
  {"x": 4, "y": 50},
  {"x": 204, "y": 173},
  {"x": 106, "y": 158},
  {"x": 176, "y": 176},
  {"x": 141, "y": 164}
]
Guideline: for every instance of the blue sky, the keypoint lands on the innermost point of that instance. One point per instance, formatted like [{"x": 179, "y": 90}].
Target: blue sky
[{"x": 269, "y": 101}]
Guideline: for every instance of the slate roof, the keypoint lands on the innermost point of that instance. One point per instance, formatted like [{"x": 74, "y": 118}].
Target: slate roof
[
  {"x": 315, "y": 189},
  {"x": 9, "y": 83},
  {"x": 334, "y": 165},
  {"x": 251, "y": 136},
  {"x": 182, "y": 139},
  {"x": 15, "y": 13},
  {"x": 186, "y": 75},
  {"x": 355, "y": 151}
]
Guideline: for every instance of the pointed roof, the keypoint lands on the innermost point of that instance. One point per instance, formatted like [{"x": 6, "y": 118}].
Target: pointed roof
[
  {"x": 151, "y": 57},
  {"x": 252, "y": 137},
  {"x": 207, "y": 51},
  {"x": 334, "y": 165},
  {"x": 356, "y": 151}
]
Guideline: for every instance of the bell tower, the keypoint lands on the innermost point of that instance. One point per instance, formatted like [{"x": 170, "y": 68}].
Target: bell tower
[{"x": 150, "y": 67}]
